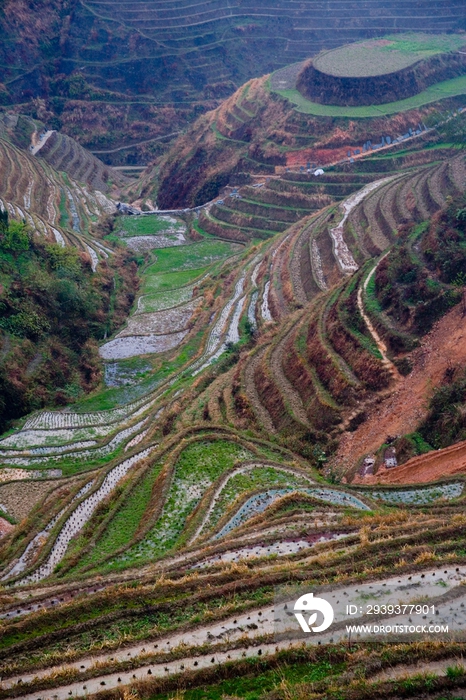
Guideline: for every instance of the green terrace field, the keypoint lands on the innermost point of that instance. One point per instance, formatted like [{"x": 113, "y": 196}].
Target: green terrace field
[
  {"x": 146, "y": 225},
  {"x": 192, "y": 257},
  {"x": 188, "y": 496},
  {"x": 178, "y": 267},
  {"x": 237, "y": 444},
  {"x": 440, "y": 91}
]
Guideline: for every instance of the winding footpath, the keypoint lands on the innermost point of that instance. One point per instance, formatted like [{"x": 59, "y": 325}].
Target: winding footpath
[{"x": 377, "y": 339}]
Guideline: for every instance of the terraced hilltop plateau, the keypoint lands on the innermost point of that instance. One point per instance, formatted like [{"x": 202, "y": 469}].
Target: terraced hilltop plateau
[
  {"x": 239, "y": 376},
  {"x": 124, "y": 77}
]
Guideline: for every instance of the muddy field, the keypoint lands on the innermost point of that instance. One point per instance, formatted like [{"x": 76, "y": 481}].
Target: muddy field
[
  {"x": 19, "y": 498},
  {"x": 160, "y": 322},
  {"x": 130, "y": 346}
]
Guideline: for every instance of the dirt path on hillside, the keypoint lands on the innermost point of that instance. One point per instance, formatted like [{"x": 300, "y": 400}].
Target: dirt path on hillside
[
  {"x": 428, "y": 467},
  {"x": 404, "y": 409},
  {"x": 41, "y": 142},
  {"x": 377, "y": 339}
]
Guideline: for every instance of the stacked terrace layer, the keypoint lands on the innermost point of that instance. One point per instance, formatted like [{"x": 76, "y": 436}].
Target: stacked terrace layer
[
  {"x": 273, "y": 203},
  {"x": 65, "y": 154},
  {"x": 188, "y": 495},
  {"x": 156, "y": 66},
  {"x": 315, "y": 369},
  {"x": 247, "y": 30},
  {"x": 324, "y": 363},
  {"x": 257, "y": 135},
  {"x": 206, "y": 614},
  {"x": 39, "y": 186}
]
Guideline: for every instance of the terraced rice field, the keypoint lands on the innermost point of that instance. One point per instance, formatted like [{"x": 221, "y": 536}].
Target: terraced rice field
[
  {"x": 304, "y": 31},
  {"x": 63, "y": 153},
  {"x": 164, "y": 300},
  {"x": 188, "y": 499},
  {"x": 164, "y": 329},
  {"x": 151, "y": 232},
  {"x": 57, "y": 207}
]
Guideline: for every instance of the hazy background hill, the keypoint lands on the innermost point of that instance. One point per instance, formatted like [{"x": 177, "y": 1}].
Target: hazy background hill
[{"x": 117, "y": 74}]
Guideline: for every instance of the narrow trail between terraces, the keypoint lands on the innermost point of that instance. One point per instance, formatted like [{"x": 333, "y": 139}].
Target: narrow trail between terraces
[{"x": 377, "y": 339}]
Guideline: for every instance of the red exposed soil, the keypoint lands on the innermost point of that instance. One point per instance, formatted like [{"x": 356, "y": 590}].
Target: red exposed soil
[
  {"x": 429, "y": 467},
  {"x": 406, "y": 406},
  {"x": 322, "y": 156}
]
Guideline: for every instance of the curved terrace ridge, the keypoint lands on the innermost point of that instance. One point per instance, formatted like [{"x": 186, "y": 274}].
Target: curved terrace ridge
[{"x": 380, "y": 71}]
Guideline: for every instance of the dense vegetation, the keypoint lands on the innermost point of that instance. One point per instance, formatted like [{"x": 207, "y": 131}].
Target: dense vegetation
[
  {"x": 454, "y": 130},
  {"x": 201, "y": 493},
  {"x": 53, "y": 309},
  {"x": 421, "y": 279},
  {"x": 446, "y": 423}
]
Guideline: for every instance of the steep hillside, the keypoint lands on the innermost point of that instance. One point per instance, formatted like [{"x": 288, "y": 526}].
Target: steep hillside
[
  {"x": 183, "y": 508},
  {"x": 62, "y": 288},
  {"x": 256, "y": 133},
  {"x": 272, "y": 407},
  {"x": 155, "y": 67},
  {"x": 51, "y": 201},
  {"x": 153, "y": 522},
  {"x": 53, "y": 309},
  {"x": 64, "y": 153},
  {"x": 414, "y": 289}
]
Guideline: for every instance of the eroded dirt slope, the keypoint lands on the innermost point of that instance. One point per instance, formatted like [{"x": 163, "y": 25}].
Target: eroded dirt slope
[{"x": 406, "y": 406}]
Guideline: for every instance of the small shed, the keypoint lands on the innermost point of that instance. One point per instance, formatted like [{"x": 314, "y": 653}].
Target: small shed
[{"x": 389, "y": 457}]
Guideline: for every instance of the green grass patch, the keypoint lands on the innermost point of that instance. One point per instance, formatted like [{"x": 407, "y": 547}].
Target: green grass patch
[
  {"x": 148, "y": 225},
  {"x": 263, "y": 477},
  {"x": 179, "y": 266},
  {"x": 201, "y": 232},
  {"x": 368, "y": 58},
  {"x": 439, "y": 91},
  {"x": 255, "y": 685},
  {"x": 64, "y": 216},
  {"x": 427, "y": 44},
  {"x": 190, "y": 257},
  {"x": 371, "y": 301},
  {"x": 422, "y": 447},
  {"x": 165, "y": 300},
  {"x": 198, "y": 466},
  {"x": 126, "y": 521},
  {"x": 119, "y": 396},
  {"x": 6, "y": 516},
  {"x": 171, "y": 280},
  {"x": 116, "y": 396}
]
